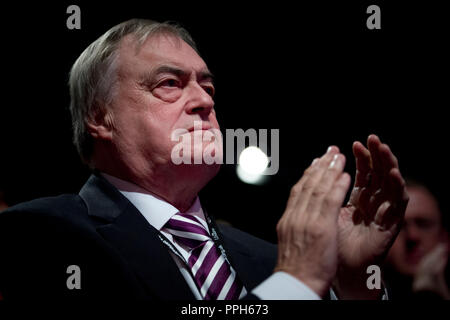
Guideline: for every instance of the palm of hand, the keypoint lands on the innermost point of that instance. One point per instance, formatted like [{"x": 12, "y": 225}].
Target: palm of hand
[
  {"x": 361, "y": 242},
  {"x": 371, "y": 220}
]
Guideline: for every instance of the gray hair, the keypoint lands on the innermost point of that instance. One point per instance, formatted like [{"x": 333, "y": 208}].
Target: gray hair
[{"x": 93, "y": 75}]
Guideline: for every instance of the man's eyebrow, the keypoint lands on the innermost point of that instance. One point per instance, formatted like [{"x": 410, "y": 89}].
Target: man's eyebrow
[
  {"x": 169, "y": 69},
  {"x": 206, "y": 75},
  {"x": 202, "y": 75}
]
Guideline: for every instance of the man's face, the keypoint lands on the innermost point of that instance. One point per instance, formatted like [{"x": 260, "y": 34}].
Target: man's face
[
  {"x": 163, "y": 86},
  {"x": 420, "y": 234}
]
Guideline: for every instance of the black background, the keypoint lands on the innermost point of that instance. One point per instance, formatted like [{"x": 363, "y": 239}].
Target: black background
[{"x": 310, "y": 69}]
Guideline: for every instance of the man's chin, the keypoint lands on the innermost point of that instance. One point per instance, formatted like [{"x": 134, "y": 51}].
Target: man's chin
[{"x": 200, "y": 171}]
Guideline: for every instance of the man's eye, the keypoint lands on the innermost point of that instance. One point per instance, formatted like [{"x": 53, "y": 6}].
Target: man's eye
[
  {"x": 424, "y": 224},
  {"x": 169, "y": 83},
  {"x": 209, "y": 90}
]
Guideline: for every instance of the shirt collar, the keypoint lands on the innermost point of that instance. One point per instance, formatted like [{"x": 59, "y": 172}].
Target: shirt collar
[{"x": 154, "y": 209}]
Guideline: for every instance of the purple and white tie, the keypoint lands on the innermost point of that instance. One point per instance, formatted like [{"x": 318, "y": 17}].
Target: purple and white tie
[{"x": 212, "y": 273}]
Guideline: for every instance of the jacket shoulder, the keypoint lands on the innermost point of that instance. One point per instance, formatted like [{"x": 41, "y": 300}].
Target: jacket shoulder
[
  {"x": 42, "y": 238},
  {"x": 52, "y": 206},
  {"x": 66, "y": 208}
]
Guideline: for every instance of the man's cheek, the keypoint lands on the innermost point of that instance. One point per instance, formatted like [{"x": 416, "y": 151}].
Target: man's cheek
[{"x": 167, "y": 95}]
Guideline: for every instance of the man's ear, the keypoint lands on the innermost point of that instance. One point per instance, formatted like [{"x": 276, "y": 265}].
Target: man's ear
[{"x": 100, "y": 125}]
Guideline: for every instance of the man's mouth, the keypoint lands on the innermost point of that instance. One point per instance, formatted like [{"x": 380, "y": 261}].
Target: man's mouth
[{"x": 203, "y": 126}]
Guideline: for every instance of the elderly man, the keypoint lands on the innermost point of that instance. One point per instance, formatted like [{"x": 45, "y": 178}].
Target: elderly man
[{"x": 137, "y": 228}]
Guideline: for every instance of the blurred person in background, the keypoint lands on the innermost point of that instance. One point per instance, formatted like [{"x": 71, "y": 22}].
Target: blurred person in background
[{"x": 417, "y": 263}]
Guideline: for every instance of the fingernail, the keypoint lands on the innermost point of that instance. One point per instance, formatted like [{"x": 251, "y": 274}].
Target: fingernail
[
  {"x": 329, "y": 149},
  {"x": 333, "y": 163},
  {"x": 314, "y": 161}
]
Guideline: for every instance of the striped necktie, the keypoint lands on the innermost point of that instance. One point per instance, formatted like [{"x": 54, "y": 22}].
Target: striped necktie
[{"x": 212, "y": 273}]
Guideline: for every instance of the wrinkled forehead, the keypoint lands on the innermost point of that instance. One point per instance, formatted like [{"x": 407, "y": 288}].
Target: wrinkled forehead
[{"x": 156, "y": 50}]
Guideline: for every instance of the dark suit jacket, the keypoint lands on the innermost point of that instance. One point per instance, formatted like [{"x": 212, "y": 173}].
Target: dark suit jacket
[{"x": 118, "y": 252}]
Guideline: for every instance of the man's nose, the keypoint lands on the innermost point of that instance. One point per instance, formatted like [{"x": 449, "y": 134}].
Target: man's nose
[
  {"x": 412, "y": 235},
  {"x": 200, "y": 101}
]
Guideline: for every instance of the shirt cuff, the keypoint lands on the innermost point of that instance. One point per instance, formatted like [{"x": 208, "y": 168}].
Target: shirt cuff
[{"x": 283, "y": 286}]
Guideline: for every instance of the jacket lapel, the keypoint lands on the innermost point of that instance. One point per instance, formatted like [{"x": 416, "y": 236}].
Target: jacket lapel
[
  {"x": 125, "y": 229},
  {"x": 250, "y": 270}
]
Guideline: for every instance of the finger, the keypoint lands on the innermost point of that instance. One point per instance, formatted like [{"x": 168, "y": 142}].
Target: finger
[
  {"x": 313, "y": 178},
  {"x": 396, "y": 193},
  {"x": 396, "y": 196},
  {"x": 297, "y": 188},
  {"x": 324, "y": 186},
  {"x": 363, "y": 165},
  {"x": 395, "y": 185},
  {"x": 391, "y": 188},
  {"x": 360, "y": 199},
  {"x": 376, "y": 200},
  {"x": 388, "y": 159},
  {"x": 335, "y": 198},
  {"x": 384, "y": 204},
  {"x": 374, "y": 143},
  {"x": 300, "y": 190}
]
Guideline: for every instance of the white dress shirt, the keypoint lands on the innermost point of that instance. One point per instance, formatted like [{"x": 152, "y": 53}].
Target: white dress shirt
[{"x": 279, "y": 286}]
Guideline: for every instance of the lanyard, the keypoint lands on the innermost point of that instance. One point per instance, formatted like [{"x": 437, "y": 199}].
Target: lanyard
[{"x": 214, "y": 236}]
